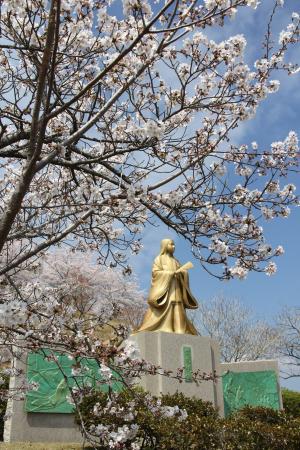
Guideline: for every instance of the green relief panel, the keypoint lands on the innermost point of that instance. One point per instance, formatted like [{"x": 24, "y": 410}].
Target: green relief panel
[
  {"x": 187, "y": 362},
  {"x": 250, "y": 388},
  {"x": 54, "y": 380}
]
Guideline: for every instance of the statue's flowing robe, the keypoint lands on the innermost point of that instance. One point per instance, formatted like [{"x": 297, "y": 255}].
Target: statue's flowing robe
[{"x": 169, "y": 296}]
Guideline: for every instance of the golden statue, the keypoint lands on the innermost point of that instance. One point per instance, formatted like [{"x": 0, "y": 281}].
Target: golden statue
[{"x": 169, "y": 295}]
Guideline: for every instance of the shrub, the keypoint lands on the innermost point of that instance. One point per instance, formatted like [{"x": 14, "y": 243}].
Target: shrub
[
  {"x": 202, "y": 429},
  {"x": 157, "y": 430},
  {"x": 291, "y": 402},
  {"x": 261, "y": 429},
  {"x": 262, "y": 414}
]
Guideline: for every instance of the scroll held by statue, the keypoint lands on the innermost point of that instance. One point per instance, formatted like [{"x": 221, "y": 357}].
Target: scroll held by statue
[{"x": 186, "y": 266}]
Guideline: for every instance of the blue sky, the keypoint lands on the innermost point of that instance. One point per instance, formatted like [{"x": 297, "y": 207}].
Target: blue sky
[{"x": 277, "y": 115}]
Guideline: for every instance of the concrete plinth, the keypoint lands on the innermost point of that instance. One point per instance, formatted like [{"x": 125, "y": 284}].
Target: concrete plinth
[
  {"x": 260, "y": 394},
  {"x": 167, "y": 350},
  {"x": 37, "y": 427}
]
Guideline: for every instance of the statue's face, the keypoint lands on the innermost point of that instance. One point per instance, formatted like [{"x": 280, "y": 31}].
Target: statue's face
[{"x": 171, "y": 248}]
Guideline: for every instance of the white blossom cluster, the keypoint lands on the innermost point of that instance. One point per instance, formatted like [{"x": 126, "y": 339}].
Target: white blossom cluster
[
  {"x": 114, "y": 439},
  {"x": 112, "y": 435}
]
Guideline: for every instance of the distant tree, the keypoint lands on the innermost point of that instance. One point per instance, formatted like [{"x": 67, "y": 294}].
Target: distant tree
[
  {"x": 240, "y": 335},
  {"x": 289, "y": 323},
  {"x": 132, "y": 316},
  {"x": 65, "y": 292}
]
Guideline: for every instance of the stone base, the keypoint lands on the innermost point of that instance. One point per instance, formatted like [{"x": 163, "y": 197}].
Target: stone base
[
  {"x": 37, "y": 427},
  {"x": 163, "y": 349},
  {"x": 259, "y": 366},
  {"x": 167, "y": 351}
]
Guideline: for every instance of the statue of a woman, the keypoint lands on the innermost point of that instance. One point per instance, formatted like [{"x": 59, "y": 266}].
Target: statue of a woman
[{"x": 169, "y": 295}]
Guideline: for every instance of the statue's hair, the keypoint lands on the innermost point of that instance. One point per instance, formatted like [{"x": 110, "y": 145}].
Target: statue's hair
[{"x": 163, "y": 246}]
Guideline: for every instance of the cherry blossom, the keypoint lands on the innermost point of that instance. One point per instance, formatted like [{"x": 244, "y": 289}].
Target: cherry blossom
[{"x": 136, "y": 131}]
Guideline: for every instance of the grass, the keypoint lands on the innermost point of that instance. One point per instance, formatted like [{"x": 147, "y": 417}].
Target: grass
[{"x": 40, "y": 446}]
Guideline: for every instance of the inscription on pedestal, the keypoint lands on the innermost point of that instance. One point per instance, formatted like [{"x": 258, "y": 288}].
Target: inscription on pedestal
[{"x": 187, "y": 363}]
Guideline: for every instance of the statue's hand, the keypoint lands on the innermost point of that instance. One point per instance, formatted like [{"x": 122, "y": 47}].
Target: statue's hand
[{"x": 171, "y": 272}]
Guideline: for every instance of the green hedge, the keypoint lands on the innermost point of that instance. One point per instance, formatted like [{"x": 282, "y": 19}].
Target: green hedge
[
  {"x": 248, "y": 429},
  {"x": 261, "y": 429},
  {"x": 159, "y": 433},
  {"x": 291, "y": 402}
]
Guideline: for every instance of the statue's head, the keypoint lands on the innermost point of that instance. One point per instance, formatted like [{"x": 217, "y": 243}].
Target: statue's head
[{"x": 167, "y": 247}]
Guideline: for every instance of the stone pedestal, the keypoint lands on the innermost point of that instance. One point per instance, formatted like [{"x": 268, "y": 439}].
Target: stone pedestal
[
  {"x": 167, "y": 350},
  {"x": 37, "y": 427},
  {"x": 172, "y": 351},
  {"x": 254, "y": 383}
]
